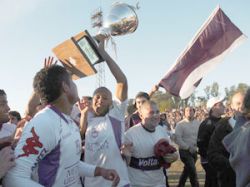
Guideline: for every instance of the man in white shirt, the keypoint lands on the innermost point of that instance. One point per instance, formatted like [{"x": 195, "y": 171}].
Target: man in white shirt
[
  {"x": 186, "y": 137},
  {"x": 145, "y": 167},
  {"x": 104, "y": 124}
]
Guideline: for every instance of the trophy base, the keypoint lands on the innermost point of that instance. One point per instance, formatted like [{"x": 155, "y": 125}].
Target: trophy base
[{"x": 79, "y": 54}]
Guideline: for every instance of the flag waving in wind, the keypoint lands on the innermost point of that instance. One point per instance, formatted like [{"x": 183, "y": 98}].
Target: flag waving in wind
[{"x": 217, "y": 37}]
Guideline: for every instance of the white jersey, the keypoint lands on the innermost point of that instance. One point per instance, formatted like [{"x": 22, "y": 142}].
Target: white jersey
[
  {"x": 103, "y": 139},
  {"x": 146, "y": 171},
  {"x": 48, "y": 153},
  {"x": 8, "y": 129}
]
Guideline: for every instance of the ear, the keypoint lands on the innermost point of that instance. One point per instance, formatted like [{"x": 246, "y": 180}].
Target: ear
[{"x": 65, "y": 87}]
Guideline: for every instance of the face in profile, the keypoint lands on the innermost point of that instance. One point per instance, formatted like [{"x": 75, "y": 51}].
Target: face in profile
[
  {"x": 219, "y": 108},
  {"x": 101, "y": 102},
  {"x": 73, "y": 93},
  {"x": 4, "y": 107}
]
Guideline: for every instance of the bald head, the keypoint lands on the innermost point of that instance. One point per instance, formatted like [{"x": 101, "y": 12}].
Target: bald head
[{"x": 237, "y": 102}]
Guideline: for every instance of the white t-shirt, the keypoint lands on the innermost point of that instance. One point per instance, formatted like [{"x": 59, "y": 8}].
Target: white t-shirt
[
  {"x": 143, "y": 149},
  {"x": 48, "y": 153},
  {"x": 7, "y": 129},
  {"x": 103, "y": 138}
]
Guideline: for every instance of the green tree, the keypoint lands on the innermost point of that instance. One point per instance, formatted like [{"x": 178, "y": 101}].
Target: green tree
[
  {"x": 229, "y": 92},
  {"x": 214, "y": 91}
]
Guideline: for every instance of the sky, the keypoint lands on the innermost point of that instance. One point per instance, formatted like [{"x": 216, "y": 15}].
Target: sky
[{"x": 31, "y": 28}]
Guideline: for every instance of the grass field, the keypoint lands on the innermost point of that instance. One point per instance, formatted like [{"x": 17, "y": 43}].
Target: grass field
[{"x": 175, "y": 170}]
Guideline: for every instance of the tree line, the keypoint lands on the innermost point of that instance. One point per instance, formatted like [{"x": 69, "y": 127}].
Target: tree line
[{"x": 166, "y": 101}]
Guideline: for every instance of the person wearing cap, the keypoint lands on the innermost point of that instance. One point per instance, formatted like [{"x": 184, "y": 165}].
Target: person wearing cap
[
  {"x": 216, "y": 109},
  {"x": 218, "y": 156},
  {"x": 186, "y": 138}
]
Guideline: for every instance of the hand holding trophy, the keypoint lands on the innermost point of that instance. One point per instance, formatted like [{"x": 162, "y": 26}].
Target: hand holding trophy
[{"x": 80, "y": 53}]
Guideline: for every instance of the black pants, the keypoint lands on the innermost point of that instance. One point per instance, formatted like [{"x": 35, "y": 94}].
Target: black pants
[
  {"x": 211, "y": 176},
  {"x": 189, "y": 170},
  {"x": 227, "y": 178},
  {"x": 166, "y": 177}
]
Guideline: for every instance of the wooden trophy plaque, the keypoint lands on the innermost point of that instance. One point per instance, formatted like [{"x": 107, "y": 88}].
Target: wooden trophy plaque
[{"x": 79, "y": 54}]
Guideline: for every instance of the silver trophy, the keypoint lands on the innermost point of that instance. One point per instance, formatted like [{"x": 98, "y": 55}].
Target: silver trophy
[
  {"x": 122, "y": 19},
  {"x": 79, "y": 54}
]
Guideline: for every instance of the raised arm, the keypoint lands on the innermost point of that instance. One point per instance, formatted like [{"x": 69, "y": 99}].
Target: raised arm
[
  {"x": 153, "y": 90},
  {"x": 121, "y": 92}
]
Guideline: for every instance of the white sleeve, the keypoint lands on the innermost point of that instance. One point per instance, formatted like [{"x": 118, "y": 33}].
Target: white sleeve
[
  {"x": 128, "y": 137},
  {"x": 118, "y": 109},
  {"x": 178, "y": 136},
  {"x": 86, "y": 170},
  {"x": 38, "y": 139}
]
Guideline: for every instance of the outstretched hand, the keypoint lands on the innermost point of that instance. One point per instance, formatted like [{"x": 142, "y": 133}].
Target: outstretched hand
[{"x": 48, "y": 62}]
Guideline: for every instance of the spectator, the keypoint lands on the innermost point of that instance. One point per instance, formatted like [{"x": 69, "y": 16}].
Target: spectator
[
  {"x": 216, "y": 109},
  {"x": 14, "y": 117},
  {"x": 186, "y": 137},
  {"x": 237, "y": 144},
  {"x": 218, "y": 157}
]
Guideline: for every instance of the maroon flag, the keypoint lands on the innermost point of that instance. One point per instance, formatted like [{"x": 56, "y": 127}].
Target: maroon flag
[{"x": 216, "y": 38}]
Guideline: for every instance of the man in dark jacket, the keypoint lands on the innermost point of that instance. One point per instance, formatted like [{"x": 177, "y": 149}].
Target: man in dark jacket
[
  {"x": 218, "y": 157},
  {"x": 216, "y": 108}
]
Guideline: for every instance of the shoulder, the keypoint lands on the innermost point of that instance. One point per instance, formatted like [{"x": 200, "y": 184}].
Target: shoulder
[
  {"x": 207, "y": 121},
  {"x": 182, "y": 122},
  {"x": 134, "y": 129},
  {"x": 45, "y": 121},
  {"x": 223, "y": 121},
  {"x": 118, "y": 103}
]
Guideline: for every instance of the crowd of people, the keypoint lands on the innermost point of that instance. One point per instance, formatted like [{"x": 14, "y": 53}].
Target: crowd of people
[{"x": 66, "y": 141}]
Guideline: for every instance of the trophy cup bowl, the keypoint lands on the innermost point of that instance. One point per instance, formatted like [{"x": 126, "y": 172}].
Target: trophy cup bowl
[{"x": 121, "y": 20}]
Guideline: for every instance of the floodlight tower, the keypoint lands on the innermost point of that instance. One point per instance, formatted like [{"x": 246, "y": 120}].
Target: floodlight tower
[{"x": 97, "y": 22}]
